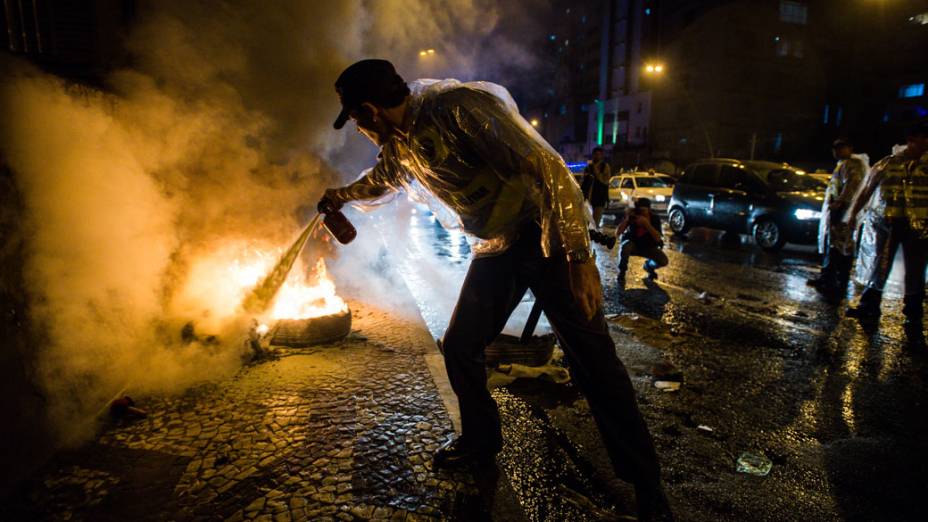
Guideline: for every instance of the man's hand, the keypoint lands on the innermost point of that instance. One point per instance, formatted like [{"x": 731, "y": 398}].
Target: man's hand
[
  {"x": 586, "y": 287},
  {"x": 330, "y": 201}
]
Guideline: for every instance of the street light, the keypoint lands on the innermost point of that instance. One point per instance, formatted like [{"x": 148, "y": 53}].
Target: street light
[
  {"x": 534, "y": 122},
  {"x": 656, "y": 69}
]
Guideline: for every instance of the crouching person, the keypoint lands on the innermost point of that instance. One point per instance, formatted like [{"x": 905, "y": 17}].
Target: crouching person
[{"x": 640, "y": 233}]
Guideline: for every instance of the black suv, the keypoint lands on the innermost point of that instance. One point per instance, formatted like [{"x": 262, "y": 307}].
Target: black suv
[{"x": 774, "y": 202}]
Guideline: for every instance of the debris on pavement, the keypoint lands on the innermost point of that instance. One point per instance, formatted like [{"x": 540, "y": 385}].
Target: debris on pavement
[
  {"x": 703, "y": 427},
  {"x": 507, "y": 373},
  {"x": 125, "y": 407},
  {"x": 667, "y": 377},
  {"x": 754, "y": 464},
  {"x": 665, "y": 371},
  {"x": 189, "y": 335},
  {"x": 667, "y": 386}
]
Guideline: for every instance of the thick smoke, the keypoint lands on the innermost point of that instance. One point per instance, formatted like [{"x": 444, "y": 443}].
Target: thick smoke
[{"x": 218, "y": 138}]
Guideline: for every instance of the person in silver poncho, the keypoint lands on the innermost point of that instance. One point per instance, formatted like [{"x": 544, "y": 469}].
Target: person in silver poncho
[
  {"x": 483, "y": 168},
  {"x": 896, "y": 190},
  {"x": 836, "y": 239}
]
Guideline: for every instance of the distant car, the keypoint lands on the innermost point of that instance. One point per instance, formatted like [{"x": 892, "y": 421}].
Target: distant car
[
  {"x": 775, "y": 202},
  {"x": 626, "y": 187}
]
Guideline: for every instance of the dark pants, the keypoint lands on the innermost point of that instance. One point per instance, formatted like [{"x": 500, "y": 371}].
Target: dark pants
[
  {"x": 656, "y": 257},
  {"x": 493, "y": 287},
  {"x": 889, "y": 235},
  {"x": 836, "y": 269}
]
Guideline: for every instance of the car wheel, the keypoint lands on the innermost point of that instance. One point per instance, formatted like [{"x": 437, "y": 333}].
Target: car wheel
[
  {"x": 678, "y": 223},
  {"x": 767, "y": 235}
]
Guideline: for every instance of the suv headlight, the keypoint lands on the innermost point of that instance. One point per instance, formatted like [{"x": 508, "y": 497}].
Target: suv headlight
[
  {"x": 660, "y": 198},
  {"x": 806, "y": 214}
]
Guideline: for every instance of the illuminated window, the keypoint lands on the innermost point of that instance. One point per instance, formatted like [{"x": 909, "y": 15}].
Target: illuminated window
[
  {"x": 825, "y": 115},
  {"x": 912, "y": 90},
  {"x": 793, "y": 12}
]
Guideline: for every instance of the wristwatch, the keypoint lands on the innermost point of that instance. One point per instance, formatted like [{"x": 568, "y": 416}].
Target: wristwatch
[{"x": 581, "y": 255}]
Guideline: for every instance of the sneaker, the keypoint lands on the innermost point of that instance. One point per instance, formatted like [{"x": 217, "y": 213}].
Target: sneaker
[{"x": 458, "y": 452}]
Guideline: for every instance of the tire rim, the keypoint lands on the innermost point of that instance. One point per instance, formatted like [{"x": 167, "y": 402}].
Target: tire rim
[
  {"x": 767, "y": 234},
  {"x": 676, "y": 220}
]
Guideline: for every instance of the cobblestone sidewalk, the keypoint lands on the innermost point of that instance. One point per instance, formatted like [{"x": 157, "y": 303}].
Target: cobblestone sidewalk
[{"x": 340, "y": 432}]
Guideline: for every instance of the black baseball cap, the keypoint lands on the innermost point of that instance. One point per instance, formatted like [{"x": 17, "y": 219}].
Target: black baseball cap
[
  {"x": 372, "y": 81},
  {"x": 841, "y": 142},
  {"x": 642, "y": 203}
]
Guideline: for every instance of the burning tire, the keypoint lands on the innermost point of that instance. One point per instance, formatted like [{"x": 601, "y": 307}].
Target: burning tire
[{"x": 311, "y": 331}]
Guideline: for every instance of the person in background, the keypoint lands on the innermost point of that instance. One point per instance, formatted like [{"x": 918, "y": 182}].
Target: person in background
[
  {"x": 836, "y": 239},
  {"x": 641, "y": 236},
  {"x": 596, "y": 184},
  {"x": 901, "y": 184}
]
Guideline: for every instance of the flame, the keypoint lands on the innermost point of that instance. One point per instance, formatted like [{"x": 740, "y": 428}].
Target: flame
[
  {"x": 219, "y": 282},
  {"x": 298, "y": 299}
]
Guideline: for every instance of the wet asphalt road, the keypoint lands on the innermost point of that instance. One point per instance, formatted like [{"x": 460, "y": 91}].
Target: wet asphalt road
[
  {"x": 768, "y": 367},
  {"x": 345, "y": 431}
]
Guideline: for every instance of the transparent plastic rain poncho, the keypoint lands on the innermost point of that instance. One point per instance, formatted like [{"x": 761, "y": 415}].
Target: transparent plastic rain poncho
[
  {"x": 480, "y": 167},
  {"x": 843, "y": 186},
  {"x": 872, "y": 214}
]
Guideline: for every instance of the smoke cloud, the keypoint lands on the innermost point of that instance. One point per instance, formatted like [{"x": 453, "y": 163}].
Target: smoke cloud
[{"x": 215, "y": 142}]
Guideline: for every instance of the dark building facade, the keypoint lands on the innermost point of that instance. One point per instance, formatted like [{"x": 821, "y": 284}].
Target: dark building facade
[
  {"x": 595, "y": 98},
  {"x": 670, "y": 81},
  {"x": 742, "y": 79},
  {"x": 77, "y": 39},
  {"x": 878, "y": 53}
]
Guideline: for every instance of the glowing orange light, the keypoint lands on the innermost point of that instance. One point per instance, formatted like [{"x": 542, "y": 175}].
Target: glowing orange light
[
  {"x": 298, "y": 299},
  {"x": 304, "y": 294}
]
